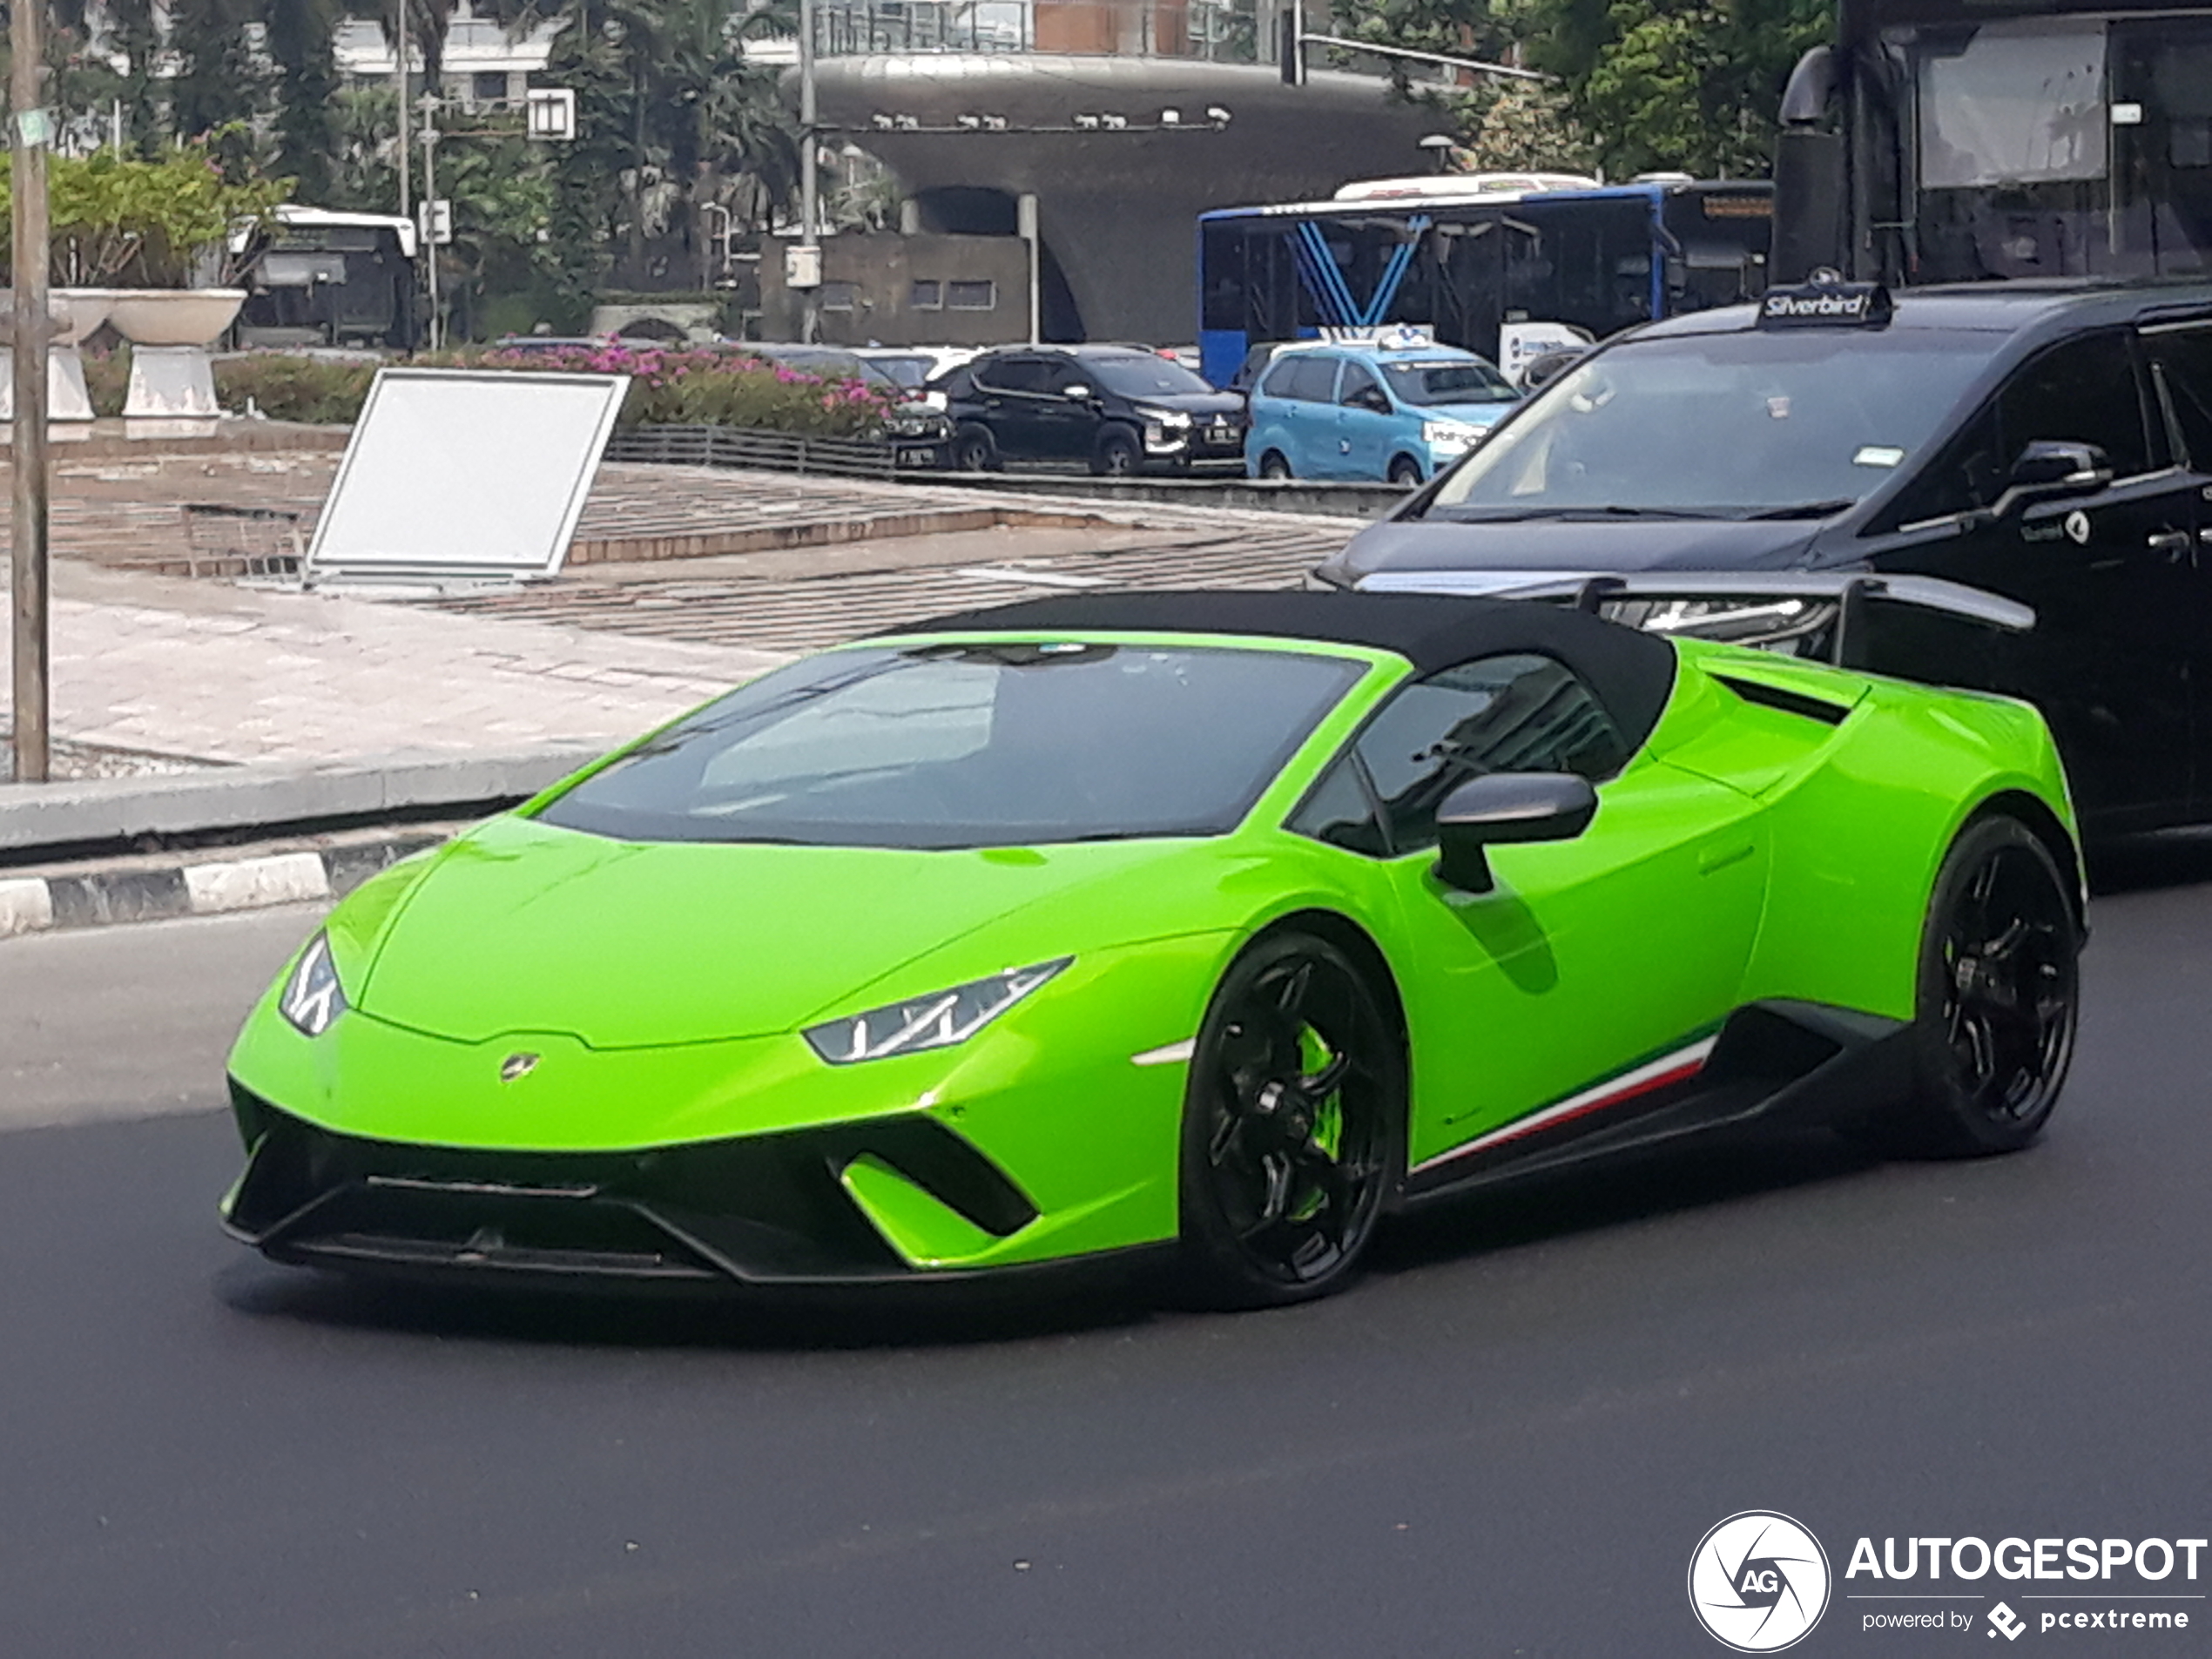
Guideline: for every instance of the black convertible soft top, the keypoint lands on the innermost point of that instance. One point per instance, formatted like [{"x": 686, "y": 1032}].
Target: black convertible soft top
[{"x": 1632, "y": 672}]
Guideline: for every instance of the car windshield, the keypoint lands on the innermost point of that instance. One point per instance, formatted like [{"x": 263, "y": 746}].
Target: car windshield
[
  {"x": 909, "y": 372},
  {"x": 1448, "y": 382},
  {"x": 968, "y": 745},
  {"x": 1724, "y": 425},
  {"x": 1140, "y": 376}
]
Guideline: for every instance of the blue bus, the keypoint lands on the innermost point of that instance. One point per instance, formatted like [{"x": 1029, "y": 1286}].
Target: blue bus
[{"x": 1482, "y": 261}]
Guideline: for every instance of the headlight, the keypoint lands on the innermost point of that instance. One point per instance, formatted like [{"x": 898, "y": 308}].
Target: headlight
[
  {"x": 313, "y": 999},
  {"x": 1449, "y": 435},
  {"x": 1172, "y": 419},
  {"x": 935, "y": 1021},
  {"x": 1778, "y": 623}
]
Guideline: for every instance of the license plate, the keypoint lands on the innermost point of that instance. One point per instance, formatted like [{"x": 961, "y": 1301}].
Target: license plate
[{"x": 919, "y": 455}]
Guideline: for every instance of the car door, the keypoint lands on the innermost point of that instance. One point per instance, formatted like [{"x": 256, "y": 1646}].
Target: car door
[
  {"x": 1591, "y": 957},
  {"x": 2110, "y": 570},
  {"x": 1311, "y": 388},
  {"x": 2181, "y": 365},
  {"x": 1067, "y": 412},
  {"x": 1365, "y": 423},
  {"x": 1008, "y": 389}
]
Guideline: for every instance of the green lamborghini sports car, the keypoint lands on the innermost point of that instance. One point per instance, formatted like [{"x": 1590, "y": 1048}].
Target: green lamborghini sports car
[{"x": 1221, "y": 923}]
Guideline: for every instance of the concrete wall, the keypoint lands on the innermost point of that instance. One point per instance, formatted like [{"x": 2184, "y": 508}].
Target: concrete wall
[
  {"x": 1118, "y": 210},
  {"x": 869, "y": 282}
]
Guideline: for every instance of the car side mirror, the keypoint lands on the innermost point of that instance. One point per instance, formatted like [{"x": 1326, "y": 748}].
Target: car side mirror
[
  {"x": 1077, "y": 393},
  {"x": 1372, "y": 400},
  {"x": 1502, "y": 807},
  {"x": 2061, "y": 467}
]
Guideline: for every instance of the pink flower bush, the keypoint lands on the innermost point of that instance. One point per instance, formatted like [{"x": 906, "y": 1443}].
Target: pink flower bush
[{"x": 669, "y": 386}]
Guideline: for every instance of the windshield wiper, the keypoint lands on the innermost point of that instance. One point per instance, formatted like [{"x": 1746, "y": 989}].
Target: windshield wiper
[
  {"x": 1807, "y": 510},
  {"x": 1519, "y": 514}
]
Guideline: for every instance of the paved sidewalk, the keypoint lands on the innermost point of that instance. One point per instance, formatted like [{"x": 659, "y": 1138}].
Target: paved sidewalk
[
  {"x": 221, "y": 673},
  {"x": 153, "y": 668}
]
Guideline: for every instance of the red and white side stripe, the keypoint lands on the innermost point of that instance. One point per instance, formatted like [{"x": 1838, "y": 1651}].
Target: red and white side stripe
[{"x": 1678, "y": 1067}]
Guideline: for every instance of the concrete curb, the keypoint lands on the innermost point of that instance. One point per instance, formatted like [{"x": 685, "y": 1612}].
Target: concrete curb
[
  {"x": 49, "y": 823},
  {"x": 1308, "y": 496},
  {"x": 158, "y": 886}
]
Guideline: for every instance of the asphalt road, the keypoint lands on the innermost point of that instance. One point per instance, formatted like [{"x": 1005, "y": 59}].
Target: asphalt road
[{"x": 1508, "y": 1441}]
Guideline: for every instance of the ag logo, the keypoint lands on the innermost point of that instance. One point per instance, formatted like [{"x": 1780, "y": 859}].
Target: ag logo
[
  {"x": 1758, "y": 1583},
  {"x": 2077, "y": 527}
]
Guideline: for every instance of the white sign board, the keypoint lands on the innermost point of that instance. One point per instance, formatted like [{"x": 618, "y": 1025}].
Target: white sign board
[
  {"x": 1521, "y": 343},
  {"x": 455, "y": 472}
]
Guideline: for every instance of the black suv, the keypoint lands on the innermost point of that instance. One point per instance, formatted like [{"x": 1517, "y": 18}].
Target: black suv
[
  {"x": 1119, "y": 409},
  {"x": 2050, "y": 444}
]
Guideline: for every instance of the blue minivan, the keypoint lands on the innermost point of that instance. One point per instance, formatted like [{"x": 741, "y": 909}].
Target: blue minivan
[{"x": 1392, "y": 411}]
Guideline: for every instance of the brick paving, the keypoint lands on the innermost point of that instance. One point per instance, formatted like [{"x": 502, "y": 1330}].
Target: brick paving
[
  {"x": 225, "y": 515},
  {"x": 808, "y": 613},
  {"x": 176, "y": 671},
  {"x": 182, "y": 670}
]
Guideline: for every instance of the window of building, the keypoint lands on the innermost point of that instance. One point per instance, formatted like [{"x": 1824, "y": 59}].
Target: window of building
[
  {"x": 490, "y": 86},
  {"x": 971, "y": 296},
  {"x": 839, "y": 296},
  {"x": 926, "y": 296}
]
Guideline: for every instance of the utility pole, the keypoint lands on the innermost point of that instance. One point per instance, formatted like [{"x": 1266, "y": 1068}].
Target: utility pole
[
  {"x": 809, "y": 185},
  {"x": 398, "y": 63},
  {"x": 430, "y": 212},
  {"x": 30, "y": 332}
]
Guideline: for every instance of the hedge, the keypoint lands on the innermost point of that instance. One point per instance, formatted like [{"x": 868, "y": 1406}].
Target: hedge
[{"x": 668, "y": 388}]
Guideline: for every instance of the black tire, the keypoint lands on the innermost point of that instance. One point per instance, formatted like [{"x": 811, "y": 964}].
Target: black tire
[
  {"x": 1293, "y": 1126},
  {"x": 974, "y": 450},
  {"x": 1275, "y": 464},
  {"x": 1117, "y": 455},
  {"x": 1998, "y": 999},
  {"x": 1404, "y": 469}
]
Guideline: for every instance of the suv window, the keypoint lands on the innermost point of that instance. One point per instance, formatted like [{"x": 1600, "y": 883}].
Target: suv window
[
  {"x": 1306, "y": 378},
  {"x": 2184, "y": 363},
  {"x": 1012, "y": 373},
  {"x": 2083, "y": 391},
  {"x": 1058, "y": 374},
  {"x": 1511, "y": 713},
  {"x": 1356, "y": 379}
]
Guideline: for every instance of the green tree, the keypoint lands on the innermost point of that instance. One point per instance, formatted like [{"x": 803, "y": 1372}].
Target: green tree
[
  {"x": 300, "y": 35},
  {"x": 1678, "y": 83},
  {"x": 218, "y": 83}
]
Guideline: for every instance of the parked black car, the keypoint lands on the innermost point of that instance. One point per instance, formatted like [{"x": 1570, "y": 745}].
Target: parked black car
[
  {"x": 1118, "y": 408},
  {"x": 2050, "y": 444}
]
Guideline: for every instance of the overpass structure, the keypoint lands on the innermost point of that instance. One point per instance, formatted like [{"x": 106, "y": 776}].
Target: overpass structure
[{"x": 1125, "y": 119}]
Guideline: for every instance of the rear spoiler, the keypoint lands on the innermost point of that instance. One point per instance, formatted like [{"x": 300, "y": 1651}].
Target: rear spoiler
[{"x": 1779, "y": 605}]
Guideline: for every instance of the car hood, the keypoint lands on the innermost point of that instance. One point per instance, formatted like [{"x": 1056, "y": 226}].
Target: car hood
[
  {"x": 522, "y": 926},
  {"x": 1470, "y": 413},
  {"x": 1195, "y": 404},
  {"x": 1557, "y": 546}
]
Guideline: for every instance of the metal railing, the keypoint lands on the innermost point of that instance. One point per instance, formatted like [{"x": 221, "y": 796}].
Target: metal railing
[
  {"x": 723, "y": 445},
  {"x": 1228, "y": 31}
]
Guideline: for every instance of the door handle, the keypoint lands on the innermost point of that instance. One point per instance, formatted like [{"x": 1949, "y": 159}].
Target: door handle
[{"x": 2173, "y": 543}]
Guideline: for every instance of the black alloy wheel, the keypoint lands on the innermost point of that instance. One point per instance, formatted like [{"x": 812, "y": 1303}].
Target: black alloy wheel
[
  {"x": 2000, "y": 995},
  {"x": 1117, "y": 456},
  {"x": 1274, "y": 464},
  {"x": 974, "y": 450},
  {"x": 1406, "y": 470},
  {"x": 1294, "y": 1125}
]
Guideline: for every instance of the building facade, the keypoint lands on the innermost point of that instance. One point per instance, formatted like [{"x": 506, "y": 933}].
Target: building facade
[{"x": 1125, "y": 119}]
